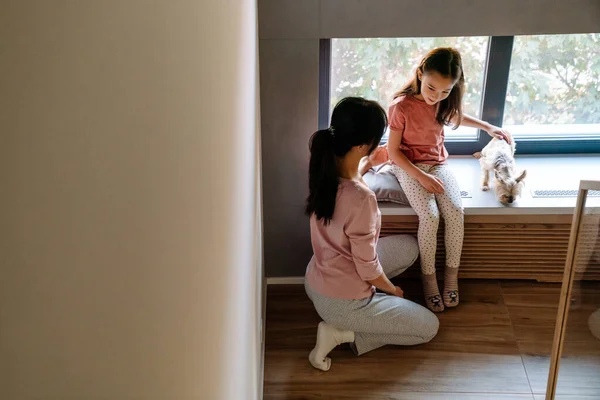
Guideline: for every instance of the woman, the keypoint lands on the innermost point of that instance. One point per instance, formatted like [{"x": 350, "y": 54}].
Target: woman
[{"x": 345, "y": 222}]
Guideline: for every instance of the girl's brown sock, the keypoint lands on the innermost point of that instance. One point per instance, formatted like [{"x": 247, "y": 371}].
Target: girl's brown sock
[
  {"x": 451, "y": 287},
  {"x": 433, "y": 300}
]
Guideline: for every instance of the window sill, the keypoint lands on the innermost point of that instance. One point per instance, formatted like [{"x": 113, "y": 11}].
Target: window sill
[{"x": 543, "y": 172}]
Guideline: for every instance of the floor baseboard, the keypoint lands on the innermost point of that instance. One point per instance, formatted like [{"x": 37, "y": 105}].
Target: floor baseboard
[{"x": 286, "y": 280}]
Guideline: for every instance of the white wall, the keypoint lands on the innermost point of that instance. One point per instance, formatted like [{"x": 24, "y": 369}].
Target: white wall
[{"x": 128, "y": 167}]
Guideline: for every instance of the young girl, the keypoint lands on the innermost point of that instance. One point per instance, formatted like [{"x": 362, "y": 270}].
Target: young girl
[
  {"x": 345, "y": 222},
  {"x": 416, "y": 147}
]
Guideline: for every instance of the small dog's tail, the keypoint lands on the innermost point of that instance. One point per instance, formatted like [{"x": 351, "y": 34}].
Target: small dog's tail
[{"x": 477, "y": 155}]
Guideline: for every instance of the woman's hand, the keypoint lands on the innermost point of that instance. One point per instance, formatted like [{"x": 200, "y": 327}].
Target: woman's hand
[
  {"x": 499, "y": 133},
  {"x": 379, "y": 156},
  {"x": 431, "y": 183},
  {"x": 399, "y": 292}
]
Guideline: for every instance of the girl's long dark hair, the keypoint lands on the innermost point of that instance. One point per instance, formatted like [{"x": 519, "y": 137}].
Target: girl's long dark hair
[
  {"x": 447, "y": 62},
  {"x": 354, "y": 122}
]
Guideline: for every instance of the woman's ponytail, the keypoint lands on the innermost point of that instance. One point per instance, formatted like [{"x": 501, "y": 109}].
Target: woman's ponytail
[{"x": 322, "y": 175}]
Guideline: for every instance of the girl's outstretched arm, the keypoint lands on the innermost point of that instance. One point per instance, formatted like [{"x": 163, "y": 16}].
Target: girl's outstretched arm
[{"x": 492, "y": 130}]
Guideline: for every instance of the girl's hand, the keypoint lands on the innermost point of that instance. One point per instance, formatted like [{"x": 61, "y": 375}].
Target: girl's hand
[
  {"x": 431, "y": 183},
  {"x": 500, "y": 133},
  {"x": 399, "y": 292},
  {"x": 379, "y": 156}
]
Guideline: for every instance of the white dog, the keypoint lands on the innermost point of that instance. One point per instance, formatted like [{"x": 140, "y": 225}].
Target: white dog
[{"x": 497, "y": 156}]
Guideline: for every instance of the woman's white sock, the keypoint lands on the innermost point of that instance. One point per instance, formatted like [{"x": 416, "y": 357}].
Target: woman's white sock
[{"x": 328, "y": 337}]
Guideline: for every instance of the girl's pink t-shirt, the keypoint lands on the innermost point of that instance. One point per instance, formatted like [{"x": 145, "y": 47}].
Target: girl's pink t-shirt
[
  {"x": 345, "y": 256},
  {"x": 422, "y": 135}
]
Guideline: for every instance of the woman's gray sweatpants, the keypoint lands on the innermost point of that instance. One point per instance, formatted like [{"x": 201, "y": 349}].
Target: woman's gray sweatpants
[{"x": 381, "y": 319}]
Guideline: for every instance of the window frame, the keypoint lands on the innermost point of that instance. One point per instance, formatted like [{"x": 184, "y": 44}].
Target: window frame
[{"x": 495, "y": 86}]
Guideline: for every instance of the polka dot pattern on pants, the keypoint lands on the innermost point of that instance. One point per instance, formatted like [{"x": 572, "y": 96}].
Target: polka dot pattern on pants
[{"x": 429, "y": 208}]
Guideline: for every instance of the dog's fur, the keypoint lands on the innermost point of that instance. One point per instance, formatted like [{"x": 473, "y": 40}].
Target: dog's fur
[{"x": 497, "y": 156}]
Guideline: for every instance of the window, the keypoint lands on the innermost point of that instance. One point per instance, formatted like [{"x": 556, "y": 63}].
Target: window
[
  {"x": 544, "y": 89},
  {"x": 554, "y": 87},
  {"x": 377, "y": 68}
]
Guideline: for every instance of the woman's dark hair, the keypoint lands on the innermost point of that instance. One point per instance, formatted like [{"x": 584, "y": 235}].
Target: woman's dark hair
[
  {"x": 354, "y": 122},
  {"x": 447, "y": 62}
]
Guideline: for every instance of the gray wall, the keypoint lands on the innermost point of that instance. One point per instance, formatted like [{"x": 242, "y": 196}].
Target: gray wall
[{"x": 289, "y": 32}]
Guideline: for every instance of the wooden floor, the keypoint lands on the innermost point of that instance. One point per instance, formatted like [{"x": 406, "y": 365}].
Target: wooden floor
[{"x": 495, "y": 345}]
